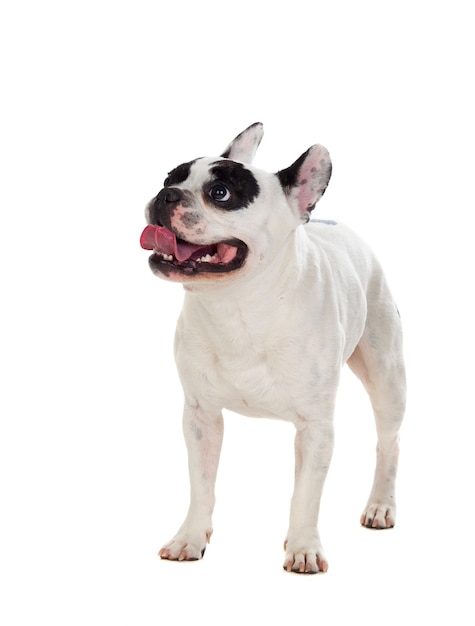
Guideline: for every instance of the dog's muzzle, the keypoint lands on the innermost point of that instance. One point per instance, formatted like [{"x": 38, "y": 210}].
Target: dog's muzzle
[{"x": 162, "y": 206}]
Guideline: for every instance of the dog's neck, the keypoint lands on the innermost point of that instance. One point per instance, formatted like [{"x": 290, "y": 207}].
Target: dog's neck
[{"x": 257, "y": 291}]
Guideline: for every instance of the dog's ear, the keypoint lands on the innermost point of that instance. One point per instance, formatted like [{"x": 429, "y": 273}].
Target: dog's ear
[
  {"x": 244, "y": 146},
  {"x": 305, "y": 181}
]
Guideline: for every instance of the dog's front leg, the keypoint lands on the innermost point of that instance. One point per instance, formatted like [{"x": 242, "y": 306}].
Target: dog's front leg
[
  {"x": 203, "y": 436},
  {"x": 313, "y": 451}
]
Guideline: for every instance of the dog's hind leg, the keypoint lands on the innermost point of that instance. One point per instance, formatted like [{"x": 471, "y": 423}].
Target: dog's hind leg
[{"x": 378, "y": 362}]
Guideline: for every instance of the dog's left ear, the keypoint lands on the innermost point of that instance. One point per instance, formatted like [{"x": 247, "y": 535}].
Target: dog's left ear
[
  {"x": 244, "y": 146},
  {"x": 305, "y": 181}
]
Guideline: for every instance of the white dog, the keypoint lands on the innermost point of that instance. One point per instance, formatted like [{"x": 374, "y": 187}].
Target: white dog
[{"x": 275, "y": 305}]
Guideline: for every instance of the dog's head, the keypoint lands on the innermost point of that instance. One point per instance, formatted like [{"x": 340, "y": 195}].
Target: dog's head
[{"x": 219, "y": 218}]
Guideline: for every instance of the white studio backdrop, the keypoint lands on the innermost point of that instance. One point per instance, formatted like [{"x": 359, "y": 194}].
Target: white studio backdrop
[{"x": 99, "y": 101}]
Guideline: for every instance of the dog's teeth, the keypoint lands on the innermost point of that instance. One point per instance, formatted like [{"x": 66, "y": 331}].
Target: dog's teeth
[
  {"x": 207, "y": 258},
  {"x": 166, "y": 257}
]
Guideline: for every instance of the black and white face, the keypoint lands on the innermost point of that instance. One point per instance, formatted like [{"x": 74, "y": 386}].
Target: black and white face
[
  {"x": 199, "y": 223},
  {"x": 219, "y": 218}
]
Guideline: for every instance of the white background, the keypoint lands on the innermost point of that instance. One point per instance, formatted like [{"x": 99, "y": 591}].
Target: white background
[{"x": 99, "y": 101}]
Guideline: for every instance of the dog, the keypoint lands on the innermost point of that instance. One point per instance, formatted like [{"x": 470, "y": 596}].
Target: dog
[{"x": 275, "y": 304}]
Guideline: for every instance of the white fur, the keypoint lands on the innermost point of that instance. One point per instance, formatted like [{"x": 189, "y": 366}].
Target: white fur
[{"x": 270, "y": 340}]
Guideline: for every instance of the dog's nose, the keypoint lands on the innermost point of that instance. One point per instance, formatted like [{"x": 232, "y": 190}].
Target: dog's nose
[
  {"x": 172, "y": 194},
  {"x": 163, "y": 205}
]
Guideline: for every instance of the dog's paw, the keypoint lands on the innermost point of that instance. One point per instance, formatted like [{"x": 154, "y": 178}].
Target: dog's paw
[
  {"x": 186, "y": 547},
  {"x": 302, "y": 560},
  {"x": 378, "y": 516}
]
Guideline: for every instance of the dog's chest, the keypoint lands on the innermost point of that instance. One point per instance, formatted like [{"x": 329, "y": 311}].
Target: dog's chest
[
  {"x": 257, "y": 370},
  {"x": 251, "y": 380}
]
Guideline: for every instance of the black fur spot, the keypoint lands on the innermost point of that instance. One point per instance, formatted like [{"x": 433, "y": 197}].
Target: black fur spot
[
  {"x": 179, "y": 174},
  {"x": 190, "y": 219},
  {"x": 240, "y": 181},
  {"x": 288, "y": 177}
]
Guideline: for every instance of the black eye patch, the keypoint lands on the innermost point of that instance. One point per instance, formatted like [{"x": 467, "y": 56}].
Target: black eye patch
[
  {"x": 242, "y": 185},
  {"x": 179, "y": 174}
]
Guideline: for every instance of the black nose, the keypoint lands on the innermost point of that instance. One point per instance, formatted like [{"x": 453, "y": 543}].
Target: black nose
[
  {"x": 171, "y": 194},
  {"x": 162, "y": 207}
]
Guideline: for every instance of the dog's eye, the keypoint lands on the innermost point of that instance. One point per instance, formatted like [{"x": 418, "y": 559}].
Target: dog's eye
[{"x": 219, "y": 193}]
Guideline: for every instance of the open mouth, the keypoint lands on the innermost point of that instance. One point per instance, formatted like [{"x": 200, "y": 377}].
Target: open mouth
[{"x": 171, "y": 252}]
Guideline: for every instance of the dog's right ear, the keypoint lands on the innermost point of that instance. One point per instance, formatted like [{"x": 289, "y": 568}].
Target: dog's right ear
[{"x": 244, "y": 146}]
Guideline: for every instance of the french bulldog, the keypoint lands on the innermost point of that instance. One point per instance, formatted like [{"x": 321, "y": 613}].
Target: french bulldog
[{"x": 275, "y": 304}]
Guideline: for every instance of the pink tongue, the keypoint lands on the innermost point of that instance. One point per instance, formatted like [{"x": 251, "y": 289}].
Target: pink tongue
[{"x": 164, "y": 240}]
